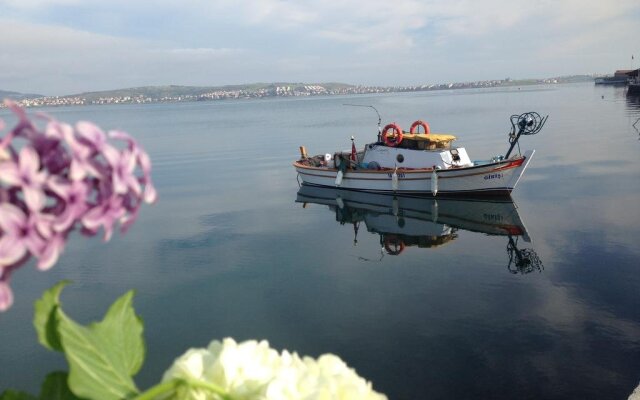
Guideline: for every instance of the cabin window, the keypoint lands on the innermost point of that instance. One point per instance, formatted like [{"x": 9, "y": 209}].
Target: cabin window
[
  {"x": 455, "y": 155},
  {"x": 400, "y": 158}
]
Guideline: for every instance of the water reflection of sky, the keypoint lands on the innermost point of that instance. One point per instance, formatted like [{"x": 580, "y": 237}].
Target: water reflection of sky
[{"x": 227, "y": 252}]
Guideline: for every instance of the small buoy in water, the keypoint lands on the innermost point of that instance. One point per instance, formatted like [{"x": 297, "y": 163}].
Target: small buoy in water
[
  {"x": 434, "y": 181},
  {"x": 394, "y": 180},
  {"x": 603, "y": 96},
  {"x": 339, "y": 178}
]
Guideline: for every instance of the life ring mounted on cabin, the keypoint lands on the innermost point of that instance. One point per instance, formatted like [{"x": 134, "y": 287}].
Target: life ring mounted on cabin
[
  {"x": 393, "y": 245},
  {"x": 392, "y": 135},
  {"x": 415, "y": 125}
]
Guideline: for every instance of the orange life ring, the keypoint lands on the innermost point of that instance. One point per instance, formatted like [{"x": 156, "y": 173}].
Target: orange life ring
[
  {"x": 393, "y": 245},
  {"x": 392, "y": 135},
  {"x": 418, "y": 123}
]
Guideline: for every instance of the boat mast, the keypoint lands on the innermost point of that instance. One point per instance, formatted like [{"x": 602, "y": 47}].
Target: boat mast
[{"x": 379, "y": 117}]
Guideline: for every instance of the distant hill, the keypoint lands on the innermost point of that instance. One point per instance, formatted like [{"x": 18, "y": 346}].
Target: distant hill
[
  {"x": 146, "y": 91},
  {"x": 5, "y": 94},
  {"x": 157, "y": 92},
  {"x": 176, "y": 93}
]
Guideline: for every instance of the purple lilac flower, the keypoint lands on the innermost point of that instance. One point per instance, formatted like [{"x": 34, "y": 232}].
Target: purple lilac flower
[
  {"x": 123, "y": 174},
  {"x": 95, "y": 139},
  {"x": 143, "y": 160},
  {"x": 26, "y": 174},
  {"x": 73, "y": 195},
  {"x": 64, "y": 177},
  {"x": 104, "y": 215},
  {"x": 21, "y": 234}
]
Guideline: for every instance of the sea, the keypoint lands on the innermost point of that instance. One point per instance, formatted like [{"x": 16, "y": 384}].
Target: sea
[{"x": 537, "y": 297}]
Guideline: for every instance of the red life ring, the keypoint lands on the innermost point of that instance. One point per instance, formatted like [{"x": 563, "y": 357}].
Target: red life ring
[
  {"x": 418, "y": 123},
  {"x": 393, "y": 138},
  {"x": 393, "y": 245}
]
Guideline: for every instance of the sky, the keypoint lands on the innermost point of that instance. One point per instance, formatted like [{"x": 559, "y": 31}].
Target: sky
[{"x": 60, "y": 47}]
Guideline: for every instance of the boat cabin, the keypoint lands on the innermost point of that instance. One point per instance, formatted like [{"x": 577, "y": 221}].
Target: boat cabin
[{"x": 416, "y": 151}]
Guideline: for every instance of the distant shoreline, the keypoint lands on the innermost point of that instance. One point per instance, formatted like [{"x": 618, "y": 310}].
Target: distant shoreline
[{"x": 177, "y": 94}]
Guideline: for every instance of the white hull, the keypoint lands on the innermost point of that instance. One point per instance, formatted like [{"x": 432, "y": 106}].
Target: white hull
[{"x": 494, "y": 179}]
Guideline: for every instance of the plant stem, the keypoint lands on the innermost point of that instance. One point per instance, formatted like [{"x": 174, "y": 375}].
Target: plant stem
[{"x": 170, "y": 386}]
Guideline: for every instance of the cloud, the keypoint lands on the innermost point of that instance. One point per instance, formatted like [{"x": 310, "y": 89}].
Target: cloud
[
  {"x": 96, "y": 45},
  {"x": 37, "y": 4},
  {"x": 201, "y": 53},
  {"x": 72, "y": 61}
]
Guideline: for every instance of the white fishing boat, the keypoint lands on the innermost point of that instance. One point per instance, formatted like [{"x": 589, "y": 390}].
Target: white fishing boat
[{"x": 420, "y": 163}]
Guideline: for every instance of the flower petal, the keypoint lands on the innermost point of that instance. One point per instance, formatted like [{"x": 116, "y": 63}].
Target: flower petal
[
  {"x": 52, "y": 250},
  {"x": 16, "y": 109},
  {"x": 12, "y": 219},
  {"x": 111, "y": 154},
  {"x": 94, "y": 218},
  {"x": 11, "y": 250},
  {"x": 29, "y": 161},
  {"x": 150, "y": 194},
  {"x": 34, "y": 198},
  {"x": 9, "y": 173},
  {"x": 91, "y": 133},
  {"x": 34, "y": 243},
  {"x": 6, "y": 296},
  {"x": 145, "y": 162}
]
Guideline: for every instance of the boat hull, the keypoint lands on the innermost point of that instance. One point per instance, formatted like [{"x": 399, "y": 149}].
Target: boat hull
[{"x": 494, "y": 179}]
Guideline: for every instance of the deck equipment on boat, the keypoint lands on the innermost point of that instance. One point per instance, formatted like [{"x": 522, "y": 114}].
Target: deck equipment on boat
[
  {"x": 417, "y": 124},
  {"x": 528, "y": 123}
]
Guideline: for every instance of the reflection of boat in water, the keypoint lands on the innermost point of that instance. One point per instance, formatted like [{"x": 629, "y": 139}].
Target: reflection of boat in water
[{"x": 426, "y": 222}]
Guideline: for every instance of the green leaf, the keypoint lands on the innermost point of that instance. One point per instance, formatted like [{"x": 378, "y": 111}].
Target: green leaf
[
  {"x": 103, "y": 356},
  {"x": 15, "y": 395},
  {"x": 44, "y": 318},
  {"x": 55, "y": 387},
  {"x": 124, "y": 329}
]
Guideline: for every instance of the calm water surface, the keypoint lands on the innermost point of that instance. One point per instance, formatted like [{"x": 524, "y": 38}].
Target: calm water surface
[{"x": 227, "y": 250}]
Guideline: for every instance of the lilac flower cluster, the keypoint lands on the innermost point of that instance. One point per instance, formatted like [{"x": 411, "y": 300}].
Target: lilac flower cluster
[{"x": 60, "y": 178}]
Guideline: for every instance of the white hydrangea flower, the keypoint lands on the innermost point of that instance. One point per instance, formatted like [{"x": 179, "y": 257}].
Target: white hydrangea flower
[
  {"x": 191, "y": 365},
  {"x": 252, "y": 370},
  {"x": 244, "y": 369}
]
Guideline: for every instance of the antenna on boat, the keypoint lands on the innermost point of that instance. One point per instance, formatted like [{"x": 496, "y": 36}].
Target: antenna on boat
[
  {"x": 379, "y": 117},
  {"x": 528, "y": 123}
]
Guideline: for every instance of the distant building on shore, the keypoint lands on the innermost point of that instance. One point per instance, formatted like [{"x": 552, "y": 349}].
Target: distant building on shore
[{"x": 620, "y": 77}]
